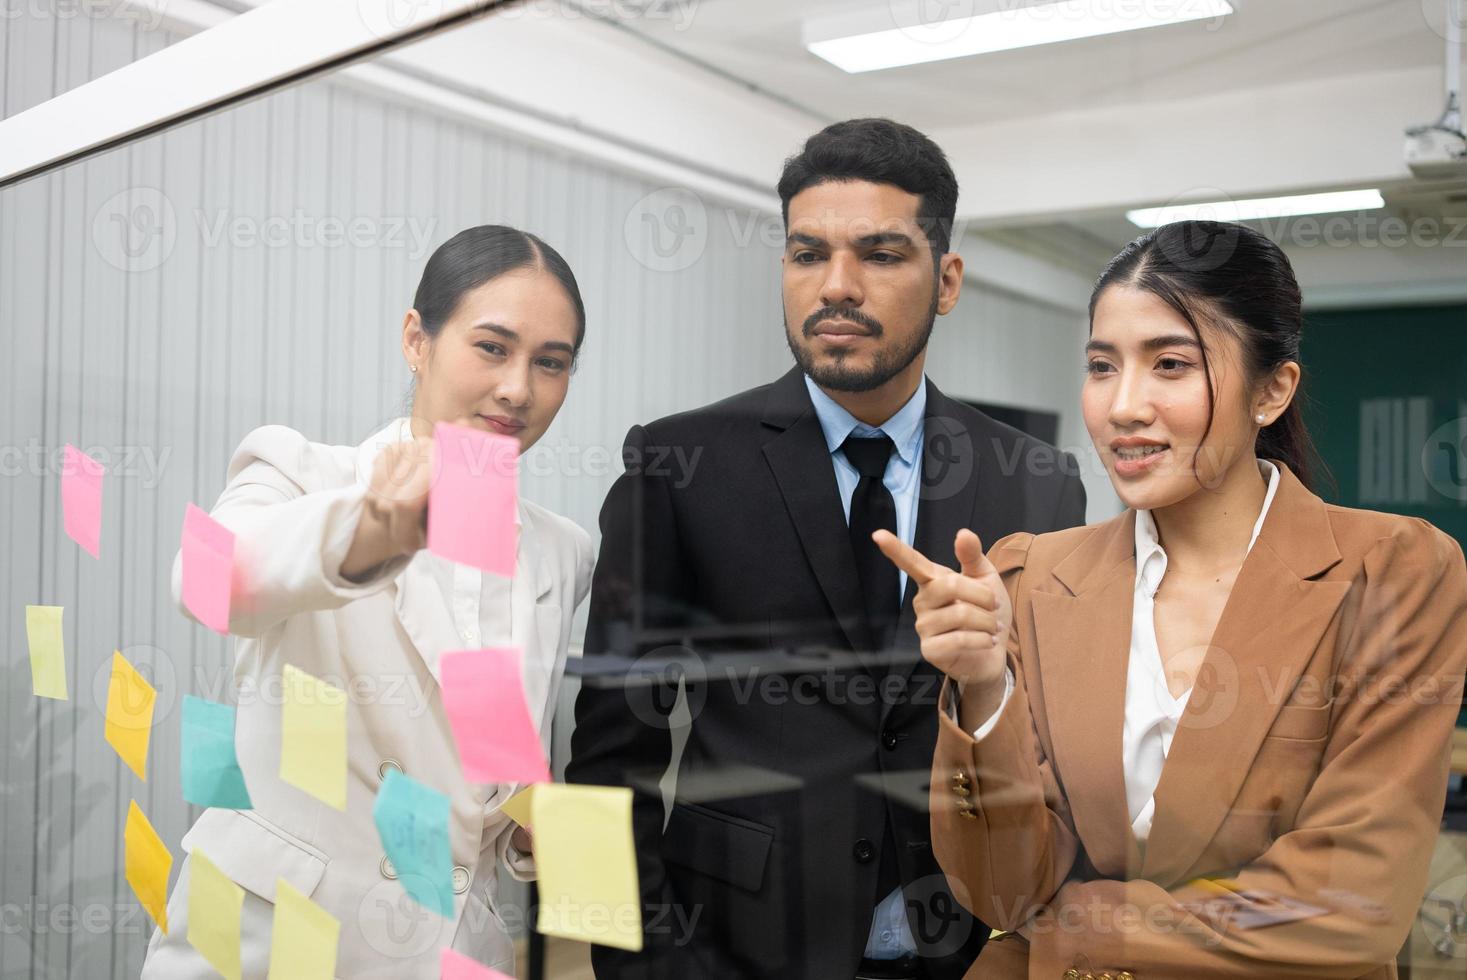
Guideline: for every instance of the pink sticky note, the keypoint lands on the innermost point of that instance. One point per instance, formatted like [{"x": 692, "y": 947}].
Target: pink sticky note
[
  {"x": 471, "y": 508},
  {"x": 457, "y": 966},
  {"x": 208, "y": 567},
  {"x": 485, "y": 700},
  {"x": 81, "y": 499}
]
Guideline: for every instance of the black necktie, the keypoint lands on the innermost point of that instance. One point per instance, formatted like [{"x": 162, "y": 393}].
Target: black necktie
[{"x": 872, "y": 507}]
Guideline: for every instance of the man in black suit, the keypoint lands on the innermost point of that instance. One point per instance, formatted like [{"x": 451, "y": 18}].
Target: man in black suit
[{"x": 737, "y": 548}]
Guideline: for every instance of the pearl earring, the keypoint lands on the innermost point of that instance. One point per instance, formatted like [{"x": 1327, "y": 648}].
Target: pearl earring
[
  {"x": 1260, "y": 418},
  {"x": 414, "y": 369}
]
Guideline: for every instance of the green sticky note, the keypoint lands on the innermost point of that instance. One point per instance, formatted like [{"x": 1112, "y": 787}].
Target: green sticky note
[
  {"x": 48, "y": 653},
  {"x": 211, "y": 774},
  {"x": 412, "y": 820}
]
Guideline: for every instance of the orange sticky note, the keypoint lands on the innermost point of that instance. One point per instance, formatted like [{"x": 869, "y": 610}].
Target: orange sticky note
[
  {"x": 147, "y": 864},
  {"x": 214, "y": 907},
  {"x": 313, "y": 737},
  {"x": 48, "y": 652},
  {"x": 81, "y": 499},
  {"x": 130, "y": 700}
]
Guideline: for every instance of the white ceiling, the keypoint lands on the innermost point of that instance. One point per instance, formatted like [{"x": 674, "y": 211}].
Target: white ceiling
[{"x": 1266, "y": 42}]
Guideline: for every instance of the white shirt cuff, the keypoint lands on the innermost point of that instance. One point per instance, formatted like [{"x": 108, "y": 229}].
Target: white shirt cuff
[{"x": 992, "y": 722}]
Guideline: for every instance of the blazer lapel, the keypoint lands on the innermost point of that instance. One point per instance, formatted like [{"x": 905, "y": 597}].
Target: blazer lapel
[
  {"x": 1266, "y": 635},
  {"x": 1084, "y": 687},
  {"x": 801, "y": 464}
]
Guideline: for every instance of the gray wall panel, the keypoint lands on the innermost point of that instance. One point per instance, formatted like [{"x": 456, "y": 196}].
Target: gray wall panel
[{"x": 163, "y": 354}]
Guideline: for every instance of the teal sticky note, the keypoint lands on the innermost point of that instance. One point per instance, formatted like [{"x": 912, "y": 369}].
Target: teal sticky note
[
  {"x": 211, "y": 775},
  {"x": 412, "y": 820}
]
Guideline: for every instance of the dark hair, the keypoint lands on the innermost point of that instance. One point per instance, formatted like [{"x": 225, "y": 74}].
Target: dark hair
[
  {"x": 1238, "y": 281},
  {"x": 882, "y": 152},
  {"x": 475, "y": 256}
]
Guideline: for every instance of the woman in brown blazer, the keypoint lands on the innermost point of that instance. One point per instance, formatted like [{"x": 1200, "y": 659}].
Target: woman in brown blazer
[{"x": 1215, "y": 742}]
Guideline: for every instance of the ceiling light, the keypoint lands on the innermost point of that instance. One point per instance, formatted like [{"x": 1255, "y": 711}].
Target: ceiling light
[
  {"x": 1007, "y": 28},
  {"x": 1259, "y": 207}
]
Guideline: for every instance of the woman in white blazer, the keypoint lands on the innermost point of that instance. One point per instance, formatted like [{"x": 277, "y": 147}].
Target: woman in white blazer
[{"x": 331, "y": 576}]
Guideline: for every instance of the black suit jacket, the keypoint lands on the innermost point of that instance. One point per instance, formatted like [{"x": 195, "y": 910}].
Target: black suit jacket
[{"x": 725, "y": 558}]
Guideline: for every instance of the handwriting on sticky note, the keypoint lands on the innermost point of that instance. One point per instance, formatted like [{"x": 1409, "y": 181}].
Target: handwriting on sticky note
[
  {"x": 485, "y": 701},
  {"x": 214, "y": 907},
  {"x": 48, "y": 651},
  {"x": 412, "y": 820},
  {"x": 303, "y": 937},
  {"x": 81, "y": 499},
  {"x": 471, "y": 508},
  {"x": 587, "y": 866},
  {"x": 208, "y": 568},
  {"x": 129, "y": 722},
  {"x": 313, "y": 736},
  {"x": 456, "y": 966},
  {"x": 146, "y": 863},
  {"x": 211, "y": 773}
]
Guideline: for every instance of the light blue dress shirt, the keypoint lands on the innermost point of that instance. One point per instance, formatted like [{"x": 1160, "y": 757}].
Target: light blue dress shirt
[{"x": 891, "y": 936}]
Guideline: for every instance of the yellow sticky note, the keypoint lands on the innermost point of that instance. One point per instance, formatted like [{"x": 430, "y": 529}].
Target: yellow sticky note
[
  {"x": 48, "y": 653},
  {"x": 313, "y": 737},
  {"x": 147, "y": 864},
  {"x": 130, "y": 701},
  {"x": 517, "y": 807},
  {"x": 586, "y": 863},
  {"x": 303, "y": 937},
  {"x": 214, "y": 907}
]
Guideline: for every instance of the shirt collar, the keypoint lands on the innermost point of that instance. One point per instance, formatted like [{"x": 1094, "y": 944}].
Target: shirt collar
[
  {"x": 1151, "y": 558},
  {"x": 904, "y": 428}
]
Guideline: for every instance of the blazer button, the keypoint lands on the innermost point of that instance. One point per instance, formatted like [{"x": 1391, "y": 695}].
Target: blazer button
[
  {"x": 1072, "y": 975},
  {"x": 864, "y": 851},
  {"x": 388, "y": 871},
  {"x": 385, "y": 765},
  {"x": 960, "y": 778},
  {"x": 889, "y": 741},
  {"x": 460, "y": 879},
  {"x": 1125, "y": 975}
]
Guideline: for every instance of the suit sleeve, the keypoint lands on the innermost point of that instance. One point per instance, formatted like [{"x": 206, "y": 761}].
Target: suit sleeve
[
  {"x": 622, "y": 735},
  {"x": 1012, "y": 850},
  {"x": 1360, "y": 847},
  {"x": 289, "y": 542}
]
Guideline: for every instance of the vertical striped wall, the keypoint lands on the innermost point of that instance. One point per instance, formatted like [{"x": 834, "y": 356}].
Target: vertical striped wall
[{"x": 158, "y": 302}]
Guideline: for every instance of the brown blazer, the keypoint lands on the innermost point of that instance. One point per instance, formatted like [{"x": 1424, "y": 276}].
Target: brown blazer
[{"x": 1308, "y": 771}]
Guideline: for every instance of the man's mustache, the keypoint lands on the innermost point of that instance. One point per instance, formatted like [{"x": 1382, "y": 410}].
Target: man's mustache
[{"x": 842, "y": 313}]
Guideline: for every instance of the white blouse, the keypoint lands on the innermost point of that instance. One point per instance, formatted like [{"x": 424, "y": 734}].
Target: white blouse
[{"x": 1151, "y": 714}]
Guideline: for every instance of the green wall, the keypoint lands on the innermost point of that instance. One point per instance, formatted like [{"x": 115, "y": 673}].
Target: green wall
[{"x": 1386, "y": 403}]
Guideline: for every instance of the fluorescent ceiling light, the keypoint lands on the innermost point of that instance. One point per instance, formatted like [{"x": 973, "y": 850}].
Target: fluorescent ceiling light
[
  {"x": 1009, "y": 27},
  {"x": 1260, "y": 207}
]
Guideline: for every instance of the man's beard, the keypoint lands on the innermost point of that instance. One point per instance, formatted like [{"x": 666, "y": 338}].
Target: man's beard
[{"x": 886, "y": 364}]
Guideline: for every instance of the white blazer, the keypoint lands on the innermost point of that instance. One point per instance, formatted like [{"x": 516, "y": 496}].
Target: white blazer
[{"x": 293, "y": 506}]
